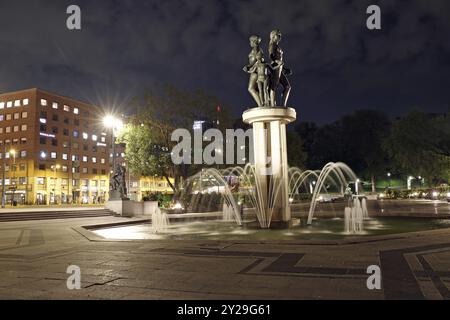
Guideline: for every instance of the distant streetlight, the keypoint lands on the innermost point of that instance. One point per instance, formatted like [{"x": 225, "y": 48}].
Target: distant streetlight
[
  {"x": 13, "y": 169},
  {"x": 55, "y": 167},
  {"x": 408, "y": 182}
]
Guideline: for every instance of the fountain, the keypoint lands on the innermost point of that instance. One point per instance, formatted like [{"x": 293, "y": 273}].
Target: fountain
[
  {"x": 228, "y": 214},
  {"x": 268, "y": 190},
  {"x": 160, "y": 221},
  {"x": 354, "y": 217}
]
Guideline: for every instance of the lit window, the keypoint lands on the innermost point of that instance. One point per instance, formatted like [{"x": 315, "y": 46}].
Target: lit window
[
  {"x": 1, "y": 130},
  {"x": 94, "y": 137},
  {"x": 25, "y": 102},
  {"x": 8, "y": 117},
  {"x": 64, "y": 156},
  {"x": 9, "y": 104},
  {"x": 43, "y": 155},
  {"x": 8, "y": 129},
  {"x": 75, "y": 133},
  {"x": 2, "y": 105},
  {"x": 85, "y": 158},
  {"x": 23, "y": 140},
  {"x": 16, "y": 129},
  {"x": 94, "y": 160},
  {"x": 102, "y": 160},
  {"x": 43, "y": 102},
  {"x": 24, "y": 115},
  {"x": 2, "y": 117},
  {"x": 85, "y": 135},
  {"x": 75, "y": 110},
  {"x": 23, "y": 153},
  {"x": 66, "y": 108},
  {"x": 17, "y": 103},
  {"x": 43, "y": 120},
  {"x": 103, "y": 139},
  {"x": 53, "y": 155},
  {"x": 40, "y": 180},
  {"x": 64, "y": 169},
  {"x": 85, "y": 170},
  {"x": 16, "y": 115},
  {"x": 24, "y": 127},
  {"x": 74, "y": 157},
  {"x": 55, "y": 105}
]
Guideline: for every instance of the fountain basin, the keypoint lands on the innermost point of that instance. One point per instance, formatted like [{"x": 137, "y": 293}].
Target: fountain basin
[{"x": 320, "y": 229}]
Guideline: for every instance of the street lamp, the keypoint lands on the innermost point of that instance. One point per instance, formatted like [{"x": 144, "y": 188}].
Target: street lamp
[
  {"x": 115, "y": 124},
  {"x": 3, "y": 176},
  {"x": 389, "y": 179},
  {"x": 13, "y": 169},
  {"x": 55, "y": 167}
]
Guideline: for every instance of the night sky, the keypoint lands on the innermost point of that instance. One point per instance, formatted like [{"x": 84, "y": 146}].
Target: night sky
[{"x": 339, "y": 65}]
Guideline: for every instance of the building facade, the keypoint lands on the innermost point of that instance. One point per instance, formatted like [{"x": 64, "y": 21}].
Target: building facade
[{"x": 56, "y": 150}]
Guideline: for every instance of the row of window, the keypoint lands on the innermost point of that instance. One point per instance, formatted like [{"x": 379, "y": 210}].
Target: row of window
[
  {"x": 20, "y": 154},
  {"x": 55, "y": 117},
  {"x": 22, "y": 140},
  {"x": 55, "y": 105},
  {"x": 15, "y": 116},
  {"x": 53, "y": 155},
  {"x": 15, "y": 103},
  {"x": 54, "y": 142},
  {"x": 75, "y": 182},
  {"x": 54, "y": 181},
  {"x": 101, "y": 140},
  {"x": 17, "y": 128},
  {"x": 43, "y": 166}
]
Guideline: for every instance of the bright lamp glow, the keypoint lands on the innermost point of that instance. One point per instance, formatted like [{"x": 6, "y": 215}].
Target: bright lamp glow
[
  {"x": 110, "y": 121},
  {"x": 178, "y": 206}
]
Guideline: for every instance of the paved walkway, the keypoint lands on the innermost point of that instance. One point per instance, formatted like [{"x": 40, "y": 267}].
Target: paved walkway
[
  {"x": 48, "y": 208},
  {"x": 34, "y": 257}
]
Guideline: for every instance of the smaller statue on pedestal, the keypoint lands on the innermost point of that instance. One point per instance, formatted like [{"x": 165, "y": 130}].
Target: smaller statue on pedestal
[{"x": 117, "y": 183}]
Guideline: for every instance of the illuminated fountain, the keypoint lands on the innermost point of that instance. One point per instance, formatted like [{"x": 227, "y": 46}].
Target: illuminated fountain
[{"x": 160, "y": 221}]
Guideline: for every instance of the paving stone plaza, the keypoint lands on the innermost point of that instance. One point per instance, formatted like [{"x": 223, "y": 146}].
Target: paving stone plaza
[{"x": 34, "y": 256}]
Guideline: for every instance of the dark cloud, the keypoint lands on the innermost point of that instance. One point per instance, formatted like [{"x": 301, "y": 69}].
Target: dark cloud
[{"x": 338, "y": 64}]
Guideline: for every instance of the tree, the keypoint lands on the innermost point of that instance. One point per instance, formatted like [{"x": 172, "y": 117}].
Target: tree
[
  {"x": 161, "y": 110},
  {"x": 363, "y": 133},
  {"x": 307, "y": 132},
  {"x": 327, "y": 146},
  {"x": 418, "y": 145},
  {"x": 354, "y": 139},
  {"x": 296, "y": 155}
]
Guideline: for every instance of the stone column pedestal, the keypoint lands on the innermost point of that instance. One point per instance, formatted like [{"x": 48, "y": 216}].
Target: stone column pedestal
[{"x": 270, "y": 156}]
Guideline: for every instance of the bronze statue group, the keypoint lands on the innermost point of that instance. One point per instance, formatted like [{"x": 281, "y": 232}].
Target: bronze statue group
[{"x": 265, "y": 77}]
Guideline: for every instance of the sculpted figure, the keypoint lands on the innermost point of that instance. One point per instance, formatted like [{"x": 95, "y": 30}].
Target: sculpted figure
[
  {"x": 279, "y": 71},
  {"x": 255, "y": 55},
  {"x": 118, "y": 181}
]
